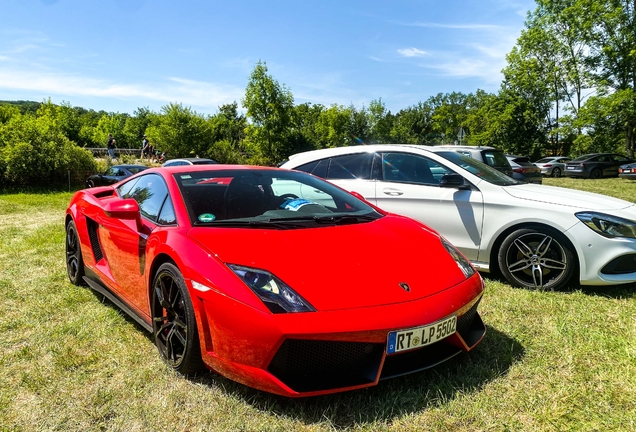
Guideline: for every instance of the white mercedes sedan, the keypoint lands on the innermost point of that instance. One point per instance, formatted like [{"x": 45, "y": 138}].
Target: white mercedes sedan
[{"x": 537, "y": 236}]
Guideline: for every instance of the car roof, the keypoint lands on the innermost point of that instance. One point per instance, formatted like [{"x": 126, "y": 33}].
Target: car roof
[
  {"x": 464, "y": 147},
  {"x": 213, "y": 167},
  {"x": 129, "y": 166}
]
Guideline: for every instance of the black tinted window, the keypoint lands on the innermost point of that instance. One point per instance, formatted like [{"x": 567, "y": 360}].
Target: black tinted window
[
  {"x": 407, "y": 168},
  {"x": 355, "y": 166},
  {"x": 495, "y": 158},
  {"x": 317, "y": 168}
]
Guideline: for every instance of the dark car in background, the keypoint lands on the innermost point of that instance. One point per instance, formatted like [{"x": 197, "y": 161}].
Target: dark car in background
[
  {"x": 491, "y": 156},
  {"x": 627, "y": 171},
  {"x": 524, "y": 170},
  {"x": 113, "y": 175},
  {"x": 552, "y": 166},
  {"x": 596, "y": 165}
]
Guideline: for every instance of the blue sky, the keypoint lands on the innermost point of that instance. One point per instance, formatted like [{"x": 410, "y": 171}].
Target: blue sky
[{"x": 118, "y": 55}]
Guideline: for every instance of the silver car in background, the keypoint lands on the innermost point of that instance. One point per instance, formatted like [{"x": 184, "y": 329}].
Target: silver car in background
[{"x": 552, "y": 166}]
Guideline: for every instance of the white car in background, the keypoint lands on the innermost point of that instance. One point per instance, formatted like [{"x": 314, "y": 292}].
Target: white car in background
[{"x": 537, "y": 236}]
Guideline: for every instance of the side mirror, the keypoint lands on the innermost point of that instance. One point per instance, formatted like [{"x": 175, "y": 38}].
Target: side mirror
[
  {"x": 124, "y": 209},
  {"x": 453, "y": 181}
]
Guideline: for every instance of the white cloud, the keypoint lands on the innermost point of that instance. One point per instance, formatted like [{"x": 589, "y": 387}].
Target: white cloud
[
  {"x": 411, "y": 52},
  {"x": 186, "y": 91}
]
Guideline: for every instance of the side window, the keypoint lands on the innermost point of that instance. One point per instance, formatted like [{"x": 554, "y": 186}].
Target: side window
[
  {"x": 317, "y": 168},
  {"x": 124, "y": 190},
  {"x": 110, "y": 171},
  {"x": 465, "y": 153},
  {"x": 409, "y": 168},
  {"x": 150, "y": 192},
  {"x": 350, "y": 167},
  {"x": 167, "y": 215}
]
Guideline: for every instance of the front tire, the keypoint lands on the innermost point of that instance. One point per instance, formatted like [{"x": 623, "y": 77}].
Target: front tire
[
  {"x": 74, "y": 260},
  {"x": 538, "y": 258},
  {"x": 174, "y": 326}
]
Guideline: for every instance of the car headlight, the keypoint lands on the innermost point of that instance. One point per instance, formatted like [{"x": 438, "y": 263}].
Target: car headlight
[
  {"x": 464, "y": 265},
  {"x": 273, "y": 292},
  {"x": 607, "y": 225}
]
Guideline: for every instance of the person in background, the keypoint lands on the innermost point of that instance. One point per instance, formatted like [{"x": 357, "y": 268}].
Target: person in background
[
  {"x": 110, "y": 145},
  {"x": 145, "y": 147}
]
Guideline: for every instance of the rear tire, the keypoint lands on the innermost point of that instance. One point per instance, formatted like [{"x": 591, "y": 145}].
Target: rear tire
[
  {"x": 556, "y": 172},
  {"x": 74, "y": 260},
  {"x": 596, "y": 174},
  {"x": 174, "y": 325},
  {"x": 538, "y": 258},
  {"x": 90, "y": 183}
]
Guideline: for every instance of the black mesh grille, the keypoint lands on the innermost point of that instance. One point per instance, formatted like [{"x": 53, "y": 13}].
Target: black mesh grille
[
  {"x": 621, "y": 265},
  {"x": 308, "y": 365},
  {"x": 464, "y": 321},
  {"x": 92, "y": 234},
  {"x": 419, "y": 359}
]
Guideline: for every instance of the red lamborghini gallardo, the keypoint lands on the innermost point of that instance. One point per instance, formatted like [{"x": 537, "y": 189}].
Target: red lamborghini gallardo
[{"x": 273, "y": 278}]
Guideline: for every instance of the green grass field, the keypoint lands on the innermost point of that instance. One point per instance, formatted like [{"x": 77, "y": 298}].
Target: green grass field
[{"x": 69, "y": 360}]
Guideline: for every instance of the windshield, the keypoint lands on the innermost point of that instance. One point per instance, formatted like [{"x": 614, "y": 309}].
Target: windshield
[
  {"x": 277, "y": 199},
  {"x": 479, "y": 169}
]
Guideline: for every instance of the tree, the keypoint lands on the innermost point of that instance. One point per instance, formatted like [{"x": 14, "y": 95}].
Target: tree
[
  {"x": 269, "y": 108},
  {"x": 612, "y": 38},
  {"x": 181, "y": 132},
  {"x": 414, "y": 125}
]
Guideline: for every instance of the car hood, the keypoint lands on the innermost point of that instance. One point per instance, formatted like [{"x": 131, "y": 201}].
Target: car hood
[
  {"x": 342, "y": 267},
  {"x": 576, "y": 199}
]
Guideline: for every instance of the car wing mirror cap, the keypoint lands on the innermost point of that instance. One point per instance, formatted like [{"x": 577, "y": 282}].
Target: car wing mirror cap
[
  {"x": 124, "y": 209},
  {"x": 453, "y": 181}
]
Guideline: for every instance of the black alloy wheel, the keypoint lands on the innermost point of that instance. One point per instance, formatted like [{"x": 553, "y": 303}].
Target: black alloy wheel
[
  {"x": 90, "y": 183},
  {"x": 74, "y": 261},
  {"x": 596, "y": 173},
  {"x": 173, "y": 322},
  {"x": 556, "y": 172},
  {"x": 536, "y": 259}
]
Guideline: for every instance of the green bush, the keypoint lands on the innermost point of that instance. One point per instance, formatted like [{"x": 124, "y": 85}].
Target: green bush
[{"x": 34, "y": 151}]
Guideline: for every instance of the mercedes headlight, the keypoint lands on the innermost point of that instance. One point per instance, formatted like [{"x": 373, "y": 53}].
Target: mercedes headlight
[
  {"x": 607, "y": 225},
  {"x": 273, "y": 292},
  {"x": 464, "y": 265}
]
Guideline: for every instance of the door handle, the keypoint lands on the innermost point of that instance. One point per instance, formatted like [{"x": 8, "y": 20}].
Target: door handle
[{"x": 392, "y": 192}]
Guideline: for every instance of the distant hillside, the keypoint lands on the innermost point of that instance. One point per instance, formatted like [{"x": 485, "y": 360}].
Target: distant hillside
[{"x": 23, "y": 106}]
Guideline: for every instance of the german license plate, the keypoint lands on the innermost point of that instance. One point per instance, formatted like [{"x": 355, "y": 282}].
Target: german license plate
[
  {"x": 569, "y": 167},
  {"x": 626, "y": 170},
  {"x": 404, "y": 340}
]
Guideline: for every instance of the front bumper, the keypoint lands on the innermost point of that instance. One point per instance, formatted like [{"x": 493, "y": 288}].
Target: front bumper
[
  {"x": 602, "y": 260},
  {"x": 307, "y": 354}
]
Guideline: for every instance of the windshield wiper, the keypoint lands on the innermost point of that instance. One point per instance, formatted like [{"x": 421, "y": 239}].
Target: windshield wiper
[
  {"x": 262, "y": 224},
  {"x": 335, "y": 219}
]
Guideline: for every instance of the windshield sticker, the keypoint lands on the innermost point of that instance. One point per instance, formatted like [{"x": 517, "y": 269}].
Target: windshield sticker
[
  {"x": 206, "y": 217},
  {"x": 295, "y": 203},
  {"x": 186, "y": 176}
]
